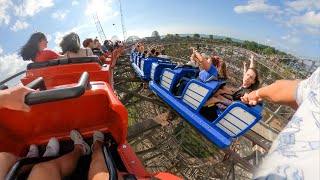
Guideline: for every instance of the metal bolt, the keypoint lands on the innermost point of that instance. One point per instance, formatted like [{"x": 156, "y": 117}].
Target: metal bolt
[
  {"x": 124, "y": 146},
  {"x": 132, "y": 162}
]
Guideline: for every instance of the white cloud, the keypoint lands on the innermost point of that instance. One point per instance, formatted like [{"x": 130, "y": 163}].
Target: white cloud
[
  {"x": 4, "y": 14},
  {"x": 32, "y": 7},
  {"x": 309, "y": 18},
  {"x": 11, "y": 64},
  {"x": 75, "y": 3},
  {"x": 300, "y": 5},
  {"x": 104, "y": 10},
  {"x": 19, "y": 25},
  {"x": 301, "y": 15},
  {"x": 59, "y": 35},
  {"x": 59, "y": 15},
  {"x": 256, "y": 6},
  {"x": 1, "y": 50},
  {"x": 49, "y": 37},
  {"x": 291, "y": 39},
  {"x": 57, "y": 40},
  {"x": 313, "y": 31}
]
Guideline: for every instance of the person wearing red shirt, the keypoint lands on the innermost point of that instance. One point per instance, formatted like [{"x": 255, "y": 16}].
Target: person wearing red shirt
[{"x": 34, "y": 49}]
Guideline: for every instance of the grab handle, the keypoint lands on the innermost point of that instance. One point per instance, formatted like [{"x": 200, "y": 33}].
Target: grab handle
[{"x": 56, "y": 94}]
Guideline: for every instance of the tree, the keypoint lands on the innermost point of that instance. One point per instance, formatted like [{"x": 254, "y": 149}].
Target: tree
[
  {"x": 210, "y": 36},
  {"x": 228, "y": 40},
  {"x": 267, "y": 51},
  {"x": 196, "y": 35},
  {"x": 169, "y": 36}
]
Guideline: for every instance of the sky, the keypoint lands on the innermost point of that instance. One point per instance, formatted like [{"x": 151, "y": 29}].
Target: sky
[{"x": 292, "y": 26}]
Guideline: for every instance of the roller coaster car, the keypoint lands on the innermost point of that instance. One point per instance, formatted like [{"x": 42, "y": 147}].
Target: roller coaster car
[
  {"x": 235, "y": 120},
  {"x": 108, "y": 57},
  {"x": 133, "y": 55},
  {"x": 158, "y": 67},
  {"x": 63, "y": 71},
  {"x": 57, "y": 109},
  {"x": 143, "y": 66}
]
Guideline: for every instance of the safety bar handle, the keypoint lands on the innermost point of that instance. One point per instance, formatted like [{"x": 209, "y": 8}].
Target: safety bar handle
[
  {"x": 57, "y": 94},
  {"x": 37, "y": 83}
]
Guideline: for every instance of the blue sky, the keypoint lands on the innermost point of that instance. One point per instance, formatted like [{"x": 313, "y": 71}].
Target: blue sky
[{"x": 292, "y": 26}]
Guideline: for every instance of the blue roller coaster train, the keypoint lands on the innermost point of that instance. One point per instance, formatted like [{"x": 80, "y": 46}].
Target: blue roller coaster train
[{"x": 162, "y": 75}]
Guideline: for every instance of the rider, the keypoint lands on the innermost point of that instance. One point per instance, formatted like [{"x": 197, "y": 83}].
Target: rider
[{"x": 34, "y": 49}]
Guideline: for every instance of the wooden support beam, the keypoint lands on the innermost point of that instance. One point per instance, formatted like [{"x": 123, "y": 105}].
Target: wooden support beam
[
  {"x": 155, "y": 101},
  {"x": 127, "y": 97},
  {"x": 236, "y": 158},
  {"x": 257, "y": 139},
  {"x": 127, "y": 79},
  {"x": 141, "y": 127}
]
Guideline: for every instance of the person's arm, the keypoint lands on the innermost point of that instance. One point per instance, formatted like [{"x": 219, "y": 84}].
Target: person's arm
[
  {"x": 13, "y": 98},
  {"x": 280, "y": 92},
  {"x": 244, "y": 67},
  {"x": 251, "y": 61},
  {"x": 54, "y": 55},
  {"x": 201, "y": 60},
  {"x": 251, "y": 58}
]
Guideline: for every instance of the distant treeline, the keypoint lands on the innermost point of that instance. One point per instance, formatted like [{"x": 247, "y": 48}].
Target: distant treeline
[{"x": 250, "y": 45}]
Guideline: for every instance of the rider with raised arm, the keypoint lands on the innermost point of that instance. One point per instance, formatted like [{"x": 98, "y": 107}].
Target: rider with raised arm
[{"x": 224, "y": 96}]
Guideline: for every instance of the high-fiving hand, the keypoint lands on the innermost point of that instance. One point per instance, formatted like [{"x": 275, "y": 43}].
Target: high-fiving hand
[{"x": 252, "y": 99}]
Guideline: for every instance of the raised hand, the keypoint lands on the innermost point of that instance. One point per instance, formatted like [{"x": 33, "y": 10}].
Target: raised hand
[
  {"x": 244, "y": 63},
  {"x": 251, "y": 57}
]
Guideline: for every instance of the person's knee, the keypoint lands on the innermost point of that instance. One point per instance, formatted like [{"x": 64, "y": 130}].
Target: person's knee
[
  {"x": 44, "y": 166},
  {"x": 7, "y": 160},
  {"x": 100, "y": 176},
  {"x": 43, "y": 169},
  {"x": 5, "y": 157}
]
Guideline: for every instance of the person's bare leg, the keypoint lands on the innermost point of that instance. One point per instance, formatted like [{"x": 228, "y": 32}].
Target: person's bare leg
[
  {"x": 218, "y": 92},
  {"x": 98, "y": 168},
  {"x": 64, "y": 165},
  {"x": 224, "y": 100},
  {"x": 225, "y": 91},
  {"x": 57, "y": 168},
  {"x": 211, "y": 101},
  {"x": 7, "y": 160}
]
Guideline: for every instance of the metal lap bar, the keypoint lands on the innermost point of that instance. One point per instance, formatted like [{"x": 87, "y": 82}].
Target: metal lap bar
[
  {"x": 110, "y": 163},
  {"x": 14, "y": 171}
]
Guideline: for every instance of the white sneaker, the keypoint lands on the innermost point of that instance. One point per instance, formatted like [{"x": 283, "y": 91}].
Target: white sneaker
[
  {"x": 97, "y": 136},
  {"x": 193, "y": 64},
  {"x": 33, "y": 151},
  {"x": 178, "y": 66},
  {"x": 52, "y": 148},
  {"x": 77, "y": 139}
]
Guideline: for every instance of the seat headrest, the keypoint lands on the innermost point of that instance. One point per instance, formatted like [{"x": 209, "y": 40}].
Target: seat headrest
[{"x": 57, "y": 62}]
